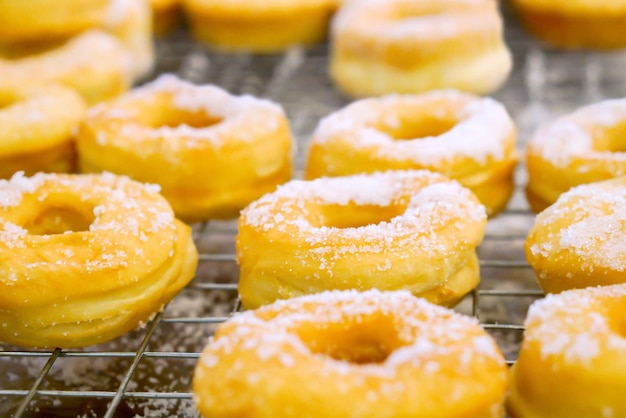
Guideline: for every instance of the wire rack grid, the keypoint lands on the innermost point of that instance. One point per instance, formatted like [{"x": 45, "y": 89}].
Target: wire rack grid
[{"x": 148, "y": 371}]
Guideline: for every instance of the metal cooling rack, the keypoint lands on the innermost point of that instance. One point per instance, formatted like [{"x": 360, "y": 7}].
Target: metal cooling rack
[{"x": 148, "y": 372}]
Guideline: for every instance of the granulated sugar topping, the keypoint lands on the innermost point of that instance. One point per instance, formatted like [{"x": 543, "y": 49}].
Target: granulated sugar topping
[
  {"x": 12, "y": 191},
  {"x": 209, "y": 98},
  {"x": 431, "y": 199},
  {"x": 233, "y": 118},
  {"x": 484, "y": 129},
  {"x": 439, "y": 219},
  {"x": 575, "y": 325},
  {"x": 125, "y": 213},
  {"x": 593, "y": 219},
  {"x": 429, "y": 335},
  {"x": 453, "y": 18},
  {"x": 572, "y": 137}
]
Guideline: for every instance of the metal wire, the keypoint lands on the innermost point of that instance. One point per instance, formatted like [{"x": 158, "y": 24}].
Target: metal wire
[{"x": 544, "y": 83}]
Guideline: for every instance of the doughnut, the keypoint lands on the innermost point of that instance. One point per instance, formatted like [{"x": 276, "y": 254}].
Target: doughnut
[
  {"x": 467, "y": 138},
  {"x": 211, "y": 152},
  {"x": 165, "y": 15},
  {"x": 131, "y": 22},
  {"x": 93, "y": 63},
  {"x": 405, "y": 46},
  {"x": 258, "y": 26},
  {"x": 37, "y": 129},
  {"x": 351, "y": 354},
  {"x": 573, "y": 356},
  {"x": 86, "y": 258},
  {"x": 33, "y": 20},
  {"x": 411, "y": 230},
  {"x": 578, "y": 241},
  {"x": 575, "y": 24},
  {"x": 578, "y": 148}
]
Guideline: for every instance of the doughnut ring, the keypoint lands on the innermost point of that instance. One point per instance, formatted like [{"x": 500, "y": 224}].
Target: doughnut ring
[
  {"x": 390, "y": 351},
  {"x": 86, "y": 258},
  {"x": 258, "y": 26},
  {"x": 579, "y": 148},
  {"x": 413, "y": 230},
  {"x": 573, "y": 356},
  {"x": 94, "y": 63},
  {"x": 37, "y": 129},
  {"x": 465, "y": 137},
  {"x": 211, "y": 152},
  {"x": 577, "y": 242},
  {"x": 406, "y": 46}
]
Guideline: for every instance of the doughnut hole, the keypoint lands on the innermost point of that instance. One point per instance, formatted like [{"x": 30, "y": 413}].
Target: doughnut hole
[
  {"x": 56, "y": 218},
  {"x": 156, "y": 115},
  {"x": 417, "y": 126},
  {"x": 612, "y": 139},
  {"x": 361, "y": 340},
  {"x": 354, "y": 216}
]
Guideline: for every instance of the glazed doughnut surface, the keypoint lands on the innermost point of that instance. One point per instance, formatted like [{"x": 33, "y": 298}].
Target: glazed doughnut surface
[
  {"x": 86, "y": 258},
  {"x": 350, "y": 354},
  {"x": 579, "y": 241},
  {"x": 573, "y": 356},
  {"x": 413, "y": 230},
  {"x": 465, "y": 137}
]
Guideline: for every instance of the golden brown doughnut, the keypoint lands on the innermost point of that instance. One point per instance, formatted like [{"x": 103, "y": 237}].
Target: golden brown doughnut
[
  {"x": 573, "y": 357},
  {"x": 578, "y": 241},
  {"x": 575, "y": 23},
  {"x": 258, "y": 26},
  {"x": 578, "y": 148},
  {"x": 86, "y": 258},
  {"x": 37, "y": 129},
  {"x": 350, "y": 354},
  {"x": 465, "y": 137},
  {"x": 406, "y": 46},
  {"x": 413, "y": 230},
  {"x": 93, "y": 63},
  {"x": 33, "y": 20},
  {"x": 211, "y": 152}
]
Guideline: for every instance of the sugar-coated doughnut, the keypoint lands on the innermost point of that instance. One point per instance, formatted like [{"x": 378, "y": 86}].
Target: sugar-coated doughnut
[
  {"x": 33, "y": 20},
  {"x": 407, "y": 46},
  {"x": 573, "y": 356},
  {"x": 93, "y": 63},
  {"x": 37, "y": 129},
  {"x": 412, "y": 230},
  {"x": 579, "y": 241},
  {"x": 131, "y": 22},
  {"x": 350, "y": 354},
  {"x": 165, "y": 15},
  {"x": 575, "y": 24},
  {"x": 578, "y": 148},
  {"x": 211, "y": 152},
  {"x": 465, "y": 137},
  {"x": 258, "y": 26},
  {"x": 86, "y": 258}
]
